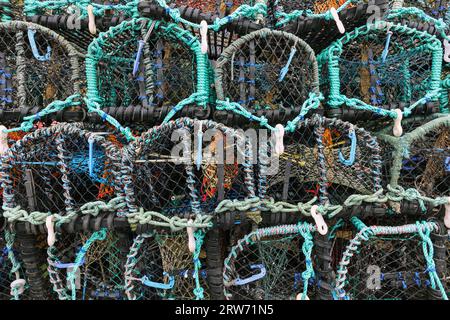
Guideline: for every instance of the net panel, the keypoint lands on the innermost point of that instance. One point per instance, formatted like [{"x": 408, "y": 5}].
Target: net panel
[{"x": 36, "y": 79}]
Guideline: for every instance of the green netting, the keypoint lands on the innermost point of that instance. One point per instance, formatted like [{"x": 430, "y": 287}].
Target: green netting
[{"x": 383, "y": 66}]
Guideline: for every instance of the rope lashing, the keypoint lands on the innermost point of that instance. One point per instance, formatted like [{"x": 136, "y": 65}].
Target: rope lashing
[
  {"x": 351, "y": 160},
  {"x": 53, "y": 107},
  {"x": 36, "y": 54},
  {"x": 199, "y": 236},
  {"x": 307, "y": 246},
  {"x": 332, "y": 13},
  {"x": 285, "y": 69},
  {"x": 18, "y": 285},
  {"x": 141, "y": 44}
]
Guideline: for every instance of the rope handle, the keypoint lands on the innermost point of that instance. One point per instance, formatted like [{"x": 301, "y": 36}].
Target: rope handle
[
  {"x": 46, "y": 57},
  {"x": 164, "y": 286},
  {"x": 261, "y": 274}
]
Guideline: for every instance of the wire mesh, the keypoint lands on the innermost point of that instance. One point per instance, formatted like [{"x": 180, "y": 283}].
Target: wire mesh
[
  {"x": 164, "y": 73},
  {"x": 267, "y": 70},
  {"x": 57, "y": 169},
  {"x": 267, "y": 265},
  {"x": 382, "y": 67},
  {"x": 36, "y": 66},
  {"x": 385, "y": 263},
  {"x": 313, "y": 163},
  {"x": 168, "y": 175},
  {"x": 168, "y": 267}
]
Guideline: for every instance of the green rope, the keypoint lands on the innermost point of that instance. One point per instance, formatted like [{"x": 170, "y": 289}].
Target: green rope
[
  {"x": 9, "y": 238},
  {"x": 243, "y": 11},
  {"x": 286, "y": 17},
  {"x": 199, "y": 235},
  {"x": 53, "y": 107},
  {"x": 95, "y": 208},
  {"x": 32, "y": 7},
  {"x": 304, "y": 230}
]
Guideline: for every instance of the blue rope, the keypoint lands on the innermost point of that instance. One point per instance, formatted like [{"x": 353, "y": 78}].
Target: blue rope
[
  {"x": 351, "y": 160},
  {"x": 34, "y": 49}
]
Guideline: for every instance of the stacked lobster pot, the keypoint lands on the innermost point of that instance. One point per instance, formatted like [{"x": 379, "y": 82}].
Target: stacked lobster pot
[{"x": 240, "y": 150}]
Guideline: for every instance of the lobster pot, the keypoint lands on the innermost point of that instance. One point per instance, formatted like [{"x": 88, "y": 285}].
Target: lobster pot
[
  {"x": 88, "y": 265},
  {"x": 37, "y": 66},
  {"x": 59, "y": 168},
  {"x": 168, "y": 68},
  {"x": 325, "y": 158},
  {"x": 270, "y": 264},
  {"x": 169, "y": 176},
  {"x": 421, "y": 158},
  {"x": 161, "y": 266},
  {"x": 389, "y": 263},
  {"x": 267, "y": 71},
  {"x": 381, "y": 67}
]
